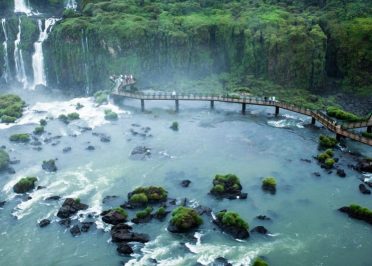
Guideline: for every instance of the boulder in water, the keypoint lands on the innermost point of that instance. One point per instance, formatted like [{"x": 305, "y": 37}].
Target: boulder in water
[
  {"x": 185, "y": 183},
  {"x": 49, "y": 166},
  {"x": 25, "y": 185},
  {"x": 260, "y": 229},
  {"x": 364, "y": 190},
  {"x": 364, "y": 165},
  {"x": 140, "y": 153},
  {"x": 115, "y": 216},
  {"x": 70, "y": 207},
  {"x": 341, "y": 173},
  {"x": 121, "y": 233},
  {"x": 232, "y": 223},
  {"x": 75, "y": 230},
  {"x": 124, "y": 249},
  {"x": 44, "y": 222}
]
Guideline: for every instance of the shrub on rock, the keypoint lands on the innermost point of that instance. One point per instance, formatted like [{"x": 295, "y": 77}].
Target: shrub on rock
[
  {"x": 260, "y": 262},
  {"x": 269, "y": 184},
  {"x": 114, "y": 216},
  {"x": 11, "y": 108},
  {"x": 184, "y": 219},
  {"x": 43, "y": 122},
  {"x": 39, "y": 130},
  {"x": 143, "y": 195},
  {"x": 358, "y": 212},
  {"x": 232, "y": 223},
  {"x": 22, "y": 137},
  {"x": 110, "y": 115},
  {"x": 25, "y": 184},
  {"x": 329, "y": 163},
  {"x": 174, "y": 126},
  {"x": 327, "y": 142},
  {"x": 227, "y": 186}
]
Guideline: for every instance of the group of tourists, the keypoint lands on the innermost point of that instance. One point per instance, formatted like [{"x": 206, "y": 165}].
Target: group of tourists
[
  {"x": 270, "y": 99},
  {"x": 126, "y": 79}
]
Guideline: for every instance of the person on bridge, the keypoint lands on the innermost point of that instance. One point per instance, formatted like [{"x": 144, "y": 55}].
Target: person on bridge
[{"x": 173, "y": 94}]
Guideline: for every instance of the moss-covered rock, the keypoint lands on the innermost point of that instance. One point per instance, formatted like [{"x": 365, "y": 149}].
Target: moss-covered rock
[
  {"x": 22, "y": 138},
  {"x": 49, "y": 165},
  {"x": 269, "y": 184},
  {"x": 114, "y": 216},
  {"x": 24, "y": 185},
  {"x": 174, "y": 126},
  {"x": 143, "y": 195},
  {"x": 232, "y": 223},
  {"x": 358, "y": 212},
  {"x": 260, "y": 262},
  {"x": 4, "y": 159},
  {"x": 11, "y": 108},
  {"x": 38, "y": 130},
  {"x": 183, "y": 220},
  {"x": 327, "y": 142},
  {"x": 227, "y": 186},
  {"x": 143, "y": 216},
  {"x": 110, "y": 115}
]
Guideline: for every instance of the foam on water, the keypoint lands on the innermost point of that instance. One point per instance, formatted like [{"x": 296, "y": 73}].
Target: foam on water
[
  {"x": 91, "y": 114},
  {"x": 288, "y": 122}
]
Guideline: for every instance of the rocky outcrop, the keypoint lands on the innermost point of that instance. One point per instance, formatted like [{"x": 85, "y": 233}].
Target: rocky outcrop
[
  {"x": 70, "y": 207},
  {"x": 44, "y": 222},
  {"x": 49, "y": 166},
  {"x": 358, "y": 212},
  {"x": 260, "y": 229},
  {"x": 124, "y": 249},
  {"x": 25, "y": 185},
  {"x": 113, "y": 217},
  {"x": 364, "y": 190},
  {"x": 140, "y": 153},
  {"x": 364, "y": 165},
  {"x": 121, "y": 233}
]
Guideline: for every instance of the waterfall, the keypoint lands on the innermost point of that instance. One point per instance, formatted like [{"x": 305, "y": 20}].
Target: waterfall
[
  {"x": 84, "y": 43},
  {"x": 20, "y": 6},
  {"x": 71, "y": 4},
  {"x": 18, "y": 58},
  {"x": 7, "y": 74},
  {"x": 38, "y": 56}
]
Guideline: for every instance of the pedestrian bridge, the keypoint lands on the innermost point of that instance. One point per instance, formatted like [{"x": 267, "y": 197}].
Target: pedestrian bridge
[{"x": 326, "y": 121}]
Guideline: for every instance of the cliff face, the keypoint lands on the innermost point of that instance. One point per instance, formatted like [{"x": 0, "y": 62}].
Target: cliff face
[{"x": 300, "y": 44}]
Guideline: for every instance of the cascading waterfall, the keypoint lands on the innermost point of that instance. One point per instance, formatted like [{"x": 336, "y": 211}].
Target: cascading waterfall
[
  {"x": 38, "y": 56},
  {"x": 71, "y": 4},
  {"x": 84, "y": 43},
  {"x": 20, "y": 6},
  {"x": 18, "y": 58},
  {"x": 7, "y": 74}
]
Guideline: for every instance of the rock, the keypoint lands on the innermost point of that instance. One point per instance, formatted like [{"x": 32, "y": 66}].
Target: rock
[
  {"x": 53, "y": 198},
  {"x": 14, "y": 161},
  {"x": 65, "y": 222},
  {"x": 2, "y": 203},
  {"x": 36, "y": 143},
  {"x": 364, "y": 190},
  {"x": 90, "y": 148},
  {"x": 243, "y": 195},
  {"x": 260, "y": 229},
  {"x": 11, "y": 171},
  {"x": 49, "y": 166},
  {"x": 220, "y": 261},
  {"x": 364, "y": 165},
  {"x": 341, "y": 173},
  {"x": 236, "y": 232},
  {"x": 124, "y": 249},
  {"x": 143, "y": 220},
  {"x": 140, "y": 153},
  {"x": 40, "y": 187},
  {"x": 66, "y": 149},
  {"x": 113, "y": 217},
  {"x": 109, "y": 199},
  {"x": 25, "y": 185},
  {"x": 263, "y": 218},
  {"x": 185, "y": 183},
  {"x": 316, "y": 174},
  {"x": 306, "y": 160},
  {"x": 75, "y": 230},
  {"x": 70, "y": 207},
  {"x": 121, "y": 233},
  {"x": 44, "y": 222},
  {"x": 203, "y": 210},
  {"x": 356, "y": 214},
  {"x": 105, "y": 139},
  {"x": 85, "y": 129},
  {"x": 85, "y": 226}
]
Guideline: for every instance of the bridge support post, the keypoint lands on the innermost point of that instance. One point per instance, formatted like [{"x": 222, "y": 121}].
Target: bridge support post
[
  {"x": 244, "y": 106},
  {"x": 212, "y": 104},
  {"x": 276, "y": 110},
  {"x": 313, "y": 120},
  {"x": 142, "y": 105},
  {"x": 369, "y": 129},
  {"x": 177, "y": 105},
  {"x": 338, "y": 137}
]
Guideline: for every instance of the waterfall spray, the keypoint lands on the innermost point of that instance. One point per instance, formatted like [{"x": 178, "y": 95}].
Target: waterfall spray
[
  {"x": 20, "y": 6},
  {"x": 7, "y": 74},
  {"x": 84, "y": 43}
]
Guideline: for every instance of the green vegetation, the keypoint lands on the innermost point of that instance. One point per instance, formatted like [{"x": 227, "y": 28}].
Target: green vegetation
[
  {"x": 22, "y": 137},
  {"x": 232, "y": 219},
  {"x": 149, "y": 194},
  {"x": 4, "y": 159},
  {"x": 357, "y": 209},
  {"x": 25, "y": 184},
  {"x": 140, "y": 198},
  {"x": 101, "y": 97},
  {"x": 11, "y": 108},
  {"x": 121, "y": 211},
  {"x": 144, "y": 213},
  {"x": 327, "y": 142},
  {"x": 367, "y": 135},
  {"x": 185, "y": 218},
  {"x": 39, "y": 130},
  {"x": 338, "y": 113},
  {"x": 110, "y": 115},
  {"x": 43, "y": 122},
  {"x": 260, "y": 262},
  {"x": 329, "y": 163},
  {"x": 77, "y": 200},
  {"x": 69, "y": 117},
  {"x": 161, "y": 211},
  {"x": 269, "y": 182},
  {"x": 174, "y": 126},
  {"x": 226, "y": 184}
]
